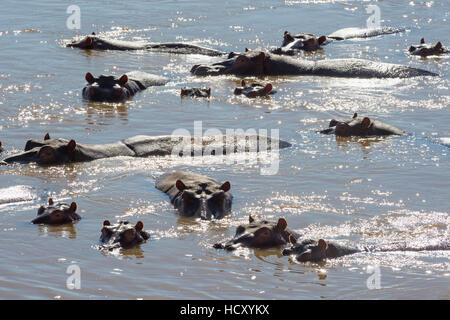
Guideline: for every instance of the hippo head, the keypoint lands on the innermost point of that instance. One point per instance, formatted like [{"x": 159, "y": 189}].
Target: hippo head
[
  {"x": 123, "y": 234},
  {"x": 308, "y": 250},
  {"x": 354, "y": 128},
  {"x": 253, "y": 90},
  {"x": 85, "y": 43},
  {"x": 47, "y": 152},
  {"x": 307, "y": 42},
  {"x": 205, "y": 201},
  {"x": 261, "y": 234},
  {"x": 59, "y": 213},
  {"x": 106, "y": 88},
  {"x": 425, "y": 50},
  {"x": 249, "y": 64},
  {"x": 195, "y": 92}
]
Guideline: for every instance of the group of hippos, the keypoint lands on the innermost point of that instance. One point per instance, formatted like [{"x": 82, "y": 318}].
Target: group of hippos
[{"x": 200, "y": 196}]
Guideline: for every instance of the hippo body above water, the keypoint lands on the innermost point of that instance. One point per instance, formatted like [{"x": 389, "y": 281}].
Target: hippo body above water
[
  {"x": 59, "y": 151},
  {"x": 254, "y": 90},
  {"x": 257, "y": 63},
  {"x": 122, "y": 235},
  {"x": 425, "y": 50},
  {"x": 93, "y": 42},
  {"x": 56, "y": 214},
  {"x": 195, "y": 195},
  {"x": 309, "y": 250},
  {"x": 260, "y": 234},
  {"x": 111, "y": 88},
  {"x": 351, "y": 33},
  {"x": 361, "y": 127}
]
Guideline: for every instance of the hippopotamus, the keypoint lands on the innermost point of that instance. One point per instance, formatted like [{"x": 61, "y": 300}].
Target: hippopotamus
[
  {"x": 195, "y": 195},
  {"x": 122, "y": 235},
  {"x": 59, "y": 151},
  {"x": 309, "y": 250},
  {"x": 59, "y": 213},
  {"x": 293, "y": 43},
  {"x": 196, "y": 92},
  {"x": 425, "y": 50},
  {"x": 260, "y": 234},
  {"x": 258, "y": 63},
  {"x": 350, "y": 33},
  {"x": 361, "y": 127},
  {"x": 1, "y": 148},
  {"x": 112, "y": 88},
  {"x": 94, "y": 42},
  {"x": 254, "y": 90}
]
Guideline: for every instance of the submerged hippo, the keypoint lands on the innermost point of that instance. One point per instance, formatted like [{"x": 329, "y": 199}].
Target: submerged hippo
[
  {"x": 122, "y": 235},
  {"x": 59, "y": 151},
  {"x": 257, "y": 63},
  {"x": 112, "y": 88},
  {"x": 58, "y": 213},
  {"x": 196, "y": 92},
  {"x": 293, "y": 43},
  {"x": 351, "y": 33},
  {"x": 94, "y": 42},
  {"x": 361, "y": 127},
  {"x": 195, "y": 195},
  {"x": 254, "y": 90},
  {"x": 316, "y": 251},
  {"x": 425, "y": 50},
  {"x": 260, "y": 234}
]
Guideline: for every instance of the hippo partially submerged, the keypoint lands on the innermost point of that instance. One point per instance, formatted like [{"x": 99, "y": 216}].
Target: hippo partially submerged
[
  {"x": 351, "y": 33},
  {"x": 196, "y": 92},
  {"x": 195, "y": 195},
  {"x": 309, "y": 250},
  {"x": 361, "y": 127},
  {"x": 260, "y": 234},
  {"x": 59, "y": 213},
  {"x": 257, "y": 63},
  {"x": 122, "y": 235},
  {"x": 425, "y": 50},
  {"x": 112, "y": 88},
  {"x": 59, "y": 151},
  {"x": 94, "y": 42},
  {"x": 293, "y": 43},
  {"x": 254, "y": 90}
]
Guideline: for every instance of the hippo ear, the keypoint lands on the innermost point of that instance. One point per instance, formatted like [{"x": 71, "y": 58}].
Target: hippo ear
[
  {"x": 47, "y": 136},
  {"x": 242, "y": 83},
  {"x": 50, "y": 201},
  {"x": 261, "y": 57},
  {"x": 73, "y": 207},
  {"x": 139, "y": 226},
  {"x": 123, "y": 79},
  {"x": 71, "y": 146},
  {"x": 106, "y": 223},
  {"x": 322, "y": 244},
  {"x": 89, "y": 78},
  {"x": 180, "y": 185},
  {"x": 365, "y": 123},
  {"x": 286, "y": 32},
  {"x": 209, "y": 91},
  {"x": 93, "y": 34},
  {"x": 355, "y": 115},
  {"x": 422, "y": 41},
  {"x": 89, "y": 41},
  {"x": 226, "y": 186},
  {"x": 268, "y": 88},
  {"x": 438, "y": 45},
  {"x": 292, "y": 239},
  {"x": 247, "y": 50},
  {"x": 250, "y": 219},
  {"x": 282, "y": 224},
  {"x": 322, "y": 39}
]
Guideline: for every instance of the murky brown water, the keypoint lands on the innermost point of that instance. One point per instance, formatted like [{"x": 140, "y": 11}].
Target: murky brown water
[{"x": 365, "y": 192}]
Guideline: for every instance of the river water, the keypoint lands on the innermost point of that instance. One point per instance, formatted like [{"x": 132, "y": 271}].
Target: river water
[{"x": 364, "y": 192}]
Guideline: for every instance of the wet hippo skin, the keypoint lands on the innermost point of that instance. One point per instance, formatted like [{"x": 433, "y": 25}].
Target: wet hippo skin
[
  {"x": 195, "y": 195},
  {"x": 122, "y": 235},
  {"x": 59, "y": 213}
]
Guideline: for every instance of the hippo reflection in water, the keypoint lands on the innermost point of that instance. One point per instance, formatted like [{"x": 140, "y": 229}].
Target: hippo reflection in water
[
  {"x": 195, "y": 195},
  {"x": 59, "y": 151},
  {"x": 112, "y": 88},
  {"x": 260, "y": 234},
  {"x": 58, "y": 213},
  {"x": 257, "y": 63},
  {"x": 425, "y": 50},
  {"x": 361, "y": 127},
  {"x": 94, "y": 42},
  {"x": 309, "y": 250},
  {"x": 122, "y": 235}
]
